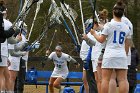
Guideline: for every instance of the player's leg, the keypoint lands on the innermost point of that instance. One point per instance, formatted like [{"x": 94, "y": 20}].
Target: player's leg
[
  {"x": 99, "y": 74},
  {"x": 94, "y": 65},
  {"x": 7, "y": 79},
  {"x": 2, "y": 78},
  {"x": 122, "y": 80},
  {"x": 86, "y": 87},
  {"x": 51, "y": 82},
  {"x": 3, "y": 65},
  {"x": 13, "y": 75},
  {"x": 106, "y": 75},
  {"x": 57, "y": 82},
  {"x": 112, "y": 83}
]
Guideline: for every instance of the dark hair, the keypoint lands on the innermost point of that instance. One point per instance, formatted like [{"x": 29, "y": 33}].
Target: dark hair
[
  {"x": 118, "y": 9},
  {"x": 2, "y": 7}
]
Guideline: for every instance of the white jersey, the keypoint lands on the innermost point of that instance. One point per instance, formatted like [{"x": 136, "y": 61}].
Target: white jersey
[
  {"x": 11, "y": 46},
  {"x": 96, "y": 50},
  {"x": 4, "y": 46},
  {"x": 116, "y": 33},
  {"x": 85, "y": 47},
  {"x": 129, "y": 24},
  {"x": 60, "y": 63},
  {"x": 23, "y": 41}
]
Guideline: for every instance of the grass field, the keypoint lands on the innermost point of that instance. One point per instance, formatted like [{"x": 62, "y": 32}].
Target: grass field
[{"x": 41, "y": 89}]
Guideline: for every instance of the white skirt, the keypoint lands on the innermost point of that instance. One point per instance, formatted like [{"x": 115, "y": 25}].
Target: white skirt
[
  {"x": 115, "y": 63},
  {"x": 4, "y": 61},
  {"x": 15, "y": 64},
  {"x": 129, "y": 59},
  {"x": 62, "y": 74},
  {"x": 94, "y": 65}
]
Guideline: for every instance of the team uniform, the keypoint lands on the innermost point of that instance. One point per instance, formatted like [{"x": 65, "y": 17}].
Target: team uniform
[
  {"x": 85, "y": 47},
  {"x": 127, "y": 22},
  {"x": 61, "y": 69},
  {"x": 4, "y": 46},
  {"x": 115, "y": 55},
  {"x": 15, "y": 61},
  {"x": 96, "y": 51}
]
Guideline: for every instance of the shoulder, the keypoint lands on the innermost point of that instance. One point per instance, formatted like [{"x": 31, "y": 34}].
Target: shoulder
[
  {"x": 65, "y": 55},
  {"x": 126, "y": 21},
  {"x": 7, "y": 24},
  {"x": 52, "y": 54},
  {"x": 107, "y": 25}
]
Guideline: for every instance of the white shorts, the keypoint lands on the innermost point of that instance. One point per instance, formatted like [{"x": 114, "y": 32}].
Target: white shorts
[
  {"x": 4, "y": 61},
  {"x": 94, "y": 65},
  {"x": 129, "y": 59},
  {"x": 115, "y": 63},
  {"x": 57, "y": 74},
  {"x": 15, "y": 64}
]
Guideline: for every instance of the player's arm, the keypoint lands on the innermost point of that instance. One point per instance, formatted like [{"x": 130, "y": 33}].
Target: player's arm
[
  {"x": 21, "y": 46},
  {"x": 127, "y": 45},
  {"x": 71, "y": 59},
  {"x": 17, "y": 53},
  {"x": 101, "y": 55},
  {"x": 99, "y": 38},
  {"x": 48, "y": 57},
  {"x": 88, "y": 40},
  {"x": 14, "y": 40},
  {"x": 10, "y": 32}
]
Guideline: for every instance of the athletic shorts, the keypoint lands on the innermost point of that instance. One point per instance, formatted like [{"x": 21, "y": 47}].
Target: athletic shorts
[
  {"x": 4, "y": 61},
  {"x": 115, "y": 63},
  {"x": 94, "y": 65},
  {"x": 56, "y": 74},
  {"x": 15, "y": 65}
]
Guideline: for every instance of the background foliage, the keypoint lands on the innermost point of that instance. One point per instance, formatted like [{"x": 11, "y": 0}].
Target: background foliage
[{"x": 132, "y": 10}]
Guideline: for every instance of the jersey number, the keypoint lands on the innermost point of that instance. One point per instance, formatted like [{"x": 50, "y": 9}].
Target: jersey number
[
  {"x": 121, "y": 37},
  {"x": 59, "y": 66}
]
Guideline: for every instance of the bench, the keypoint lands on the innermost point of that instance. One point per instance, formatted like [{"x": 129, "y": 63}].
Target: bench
[
  {"x": 46, "y": 75},
  {"x": 137, "y": 89}
]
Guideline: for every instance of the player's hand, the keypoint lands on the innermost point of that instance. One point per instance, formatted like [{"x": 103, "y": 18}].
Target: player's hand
[
  {"x": 92, "y": 31},
  {"x": 19, "y": 37},
  {"x": 84, "y": 36}
]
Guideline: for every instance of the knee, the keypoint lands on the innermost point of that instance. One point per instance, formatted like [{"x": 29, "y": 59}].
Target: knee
[
  {"x": 84, "y": 81},
  {"x": 51, "y": 84},
  {"x": 112, "y": 80},
  {"x": 122, "y": 80},
  {"x": 13, "y": 77},
  {"x": 105, "y": 80},
  {"x": 56, "y": 85}
]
